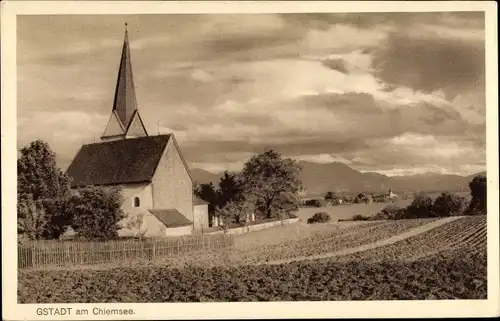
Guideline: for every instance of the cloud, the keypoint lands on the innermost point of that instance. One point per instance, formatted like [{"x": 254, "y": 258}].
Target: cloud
[
  {"x": 336, "y": 64},
  {"x": 386, "y": 20},
  {"x": 64, "y": 131},
  {"x": 423, "y": 151},
  {"x": 323, "y": 158},
  {"x": 220, "y": 166},
  {"x": 355, "y": 88},
  {"x": 430, "y": 64}
]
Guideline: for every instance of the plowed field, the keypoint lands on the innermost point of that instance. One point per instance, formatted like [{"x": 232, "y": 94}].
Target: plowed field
[{"x": 446, "y": 260}]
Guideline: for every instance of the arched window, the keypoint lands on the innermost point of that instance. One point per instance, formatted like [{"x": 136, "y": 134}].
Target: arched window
[{"x": 137, "y": 201}]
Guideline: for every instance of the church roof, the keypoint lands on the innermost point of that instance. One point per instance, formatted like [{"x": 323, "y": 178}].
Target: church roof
[
  {"x": 171, "y": 218},
  {"x": 117, "y": 162}
]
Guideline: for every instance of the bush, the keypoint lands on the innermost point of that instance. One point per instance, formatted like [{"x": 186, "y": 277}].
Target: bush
[
  {"x": 314, "y": 203},
  {"x": 320, "y": 217},
  {"x": 390, "y": 212},
  {"x": 96, "y": 212},
  {"x": 359, "y": 217},
  {"x": 31, "y": 221}
]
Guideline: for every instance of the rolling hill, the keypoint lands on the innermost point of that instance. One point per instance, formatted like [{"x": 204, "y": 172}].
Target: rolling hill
[{"x": 338, "y": 177}]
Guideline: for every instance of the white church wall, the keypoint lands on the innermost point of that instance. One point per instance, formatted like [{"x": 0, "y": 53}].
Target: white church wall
[
  {"x": 129, "y": 193},
  {"x": 172, "y": 188}
]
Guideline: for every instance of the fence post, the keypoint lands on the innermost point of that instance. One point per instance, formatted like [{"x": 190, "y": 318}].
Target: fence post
[
  {"x": 154, "y": 250},
  {"x": 33, "y": 256}
]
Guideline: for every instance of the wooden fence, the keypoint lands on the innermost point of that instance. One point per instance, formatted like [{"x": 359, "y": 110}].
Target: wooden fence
[{"x": 42, "y": 254}]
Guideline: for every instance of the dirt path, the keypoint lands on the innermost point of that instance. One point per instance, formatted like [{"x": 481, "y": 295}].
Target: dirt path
[{"x": 388, "y": 241}]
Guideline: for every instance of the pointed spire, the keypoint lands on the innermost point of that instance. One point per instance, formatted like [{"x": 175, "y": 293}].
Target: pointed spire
[
  {"x": 125, "y": 120},
  {"x": 125, "y": 102}
]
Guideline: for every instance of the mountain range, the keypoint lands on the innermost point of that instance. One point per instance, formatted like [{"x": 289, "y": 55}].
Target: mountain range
[{"x": 338, "y": 177}]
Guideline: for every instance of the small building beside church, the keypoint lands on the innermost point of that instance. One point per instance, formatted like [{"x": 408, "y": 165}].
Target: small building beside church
[
  {"x": 201, "y": 215},
  {"x": 151, "y": 172}
]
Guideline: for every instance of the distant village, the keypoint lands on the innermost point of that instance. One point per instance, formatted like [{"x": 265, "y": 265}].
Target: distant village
[{"x": 333, "y": 199}]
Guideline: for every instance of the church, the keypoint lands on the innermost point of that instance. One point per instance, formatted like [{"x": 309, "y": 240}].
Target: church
[{"x": 154, "y": 179}]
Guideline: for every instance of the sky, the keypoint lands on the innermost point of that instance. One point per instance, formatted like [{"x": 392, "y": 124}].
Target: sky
[{"x": 393, "y": 93}]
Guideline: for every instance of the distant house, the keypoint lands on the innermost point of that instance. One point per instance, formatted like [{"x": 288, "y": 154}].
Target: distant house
[{"x": 150, "y": 170}]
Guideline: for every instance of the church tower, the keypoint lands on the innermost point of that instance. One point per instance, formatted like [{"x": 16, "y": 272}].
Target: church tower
[{"x": 125, "y": 120}]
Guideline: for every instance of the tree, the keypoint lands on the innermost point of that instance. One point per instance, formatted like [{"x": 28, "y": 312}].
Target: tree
[
  {"x": 478, "y": 202},
  {"x": 96, "y": 212},
  {"x": 231, "y": 188},
  {"x": 39, "y": 179},
  {"x": 330, "y": 196},
  {"x": 234, "y": 200},
  {"x": 448, "y": 204},
  {"x": 32, "y": 221},
  {"x": 361, "y": 198},
  {"x": 420, "y": 207},
  {"x": 236, "y": 209},
  {"x": 274, "y": 183},
  {"x": 207, "y": 192}
]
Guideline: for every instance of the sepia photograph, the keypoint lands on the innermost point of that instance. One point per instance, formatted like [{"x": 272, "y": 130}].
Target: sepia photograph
[{"x": 251, "y": 157}]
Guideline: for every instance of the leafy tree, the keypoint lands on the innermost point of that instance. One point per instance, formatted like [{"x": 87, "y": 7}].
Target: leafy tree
[
  {"x": 96, "y": 212},
  {"x": 237, "y": 209},
  {"x": 32, "y": 221},
  {"x": 448, "y": 204},
  {"x": 207, "y": 192},
  {"x": 231, "y": 188},
  {"x": 478, "y": 202},
  {"x": 420, "y": 207},
  {"x": 39, "y": 179},
  {"x": 274, "y": 183}
]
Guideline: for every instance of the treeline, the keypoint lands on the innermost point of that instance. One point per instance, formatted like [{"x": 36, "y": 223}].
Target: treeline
[
  {"x": 446, "y": 204},
  {"x": 47, "y": 207},
  {"x": 331, "y": 198},
  {"x": 268, "y": 186}
]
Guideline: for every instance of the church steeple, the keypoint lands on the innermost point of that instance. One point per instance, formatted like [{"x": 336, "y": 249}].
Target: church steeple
[{"x": 125, "y": 120}]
